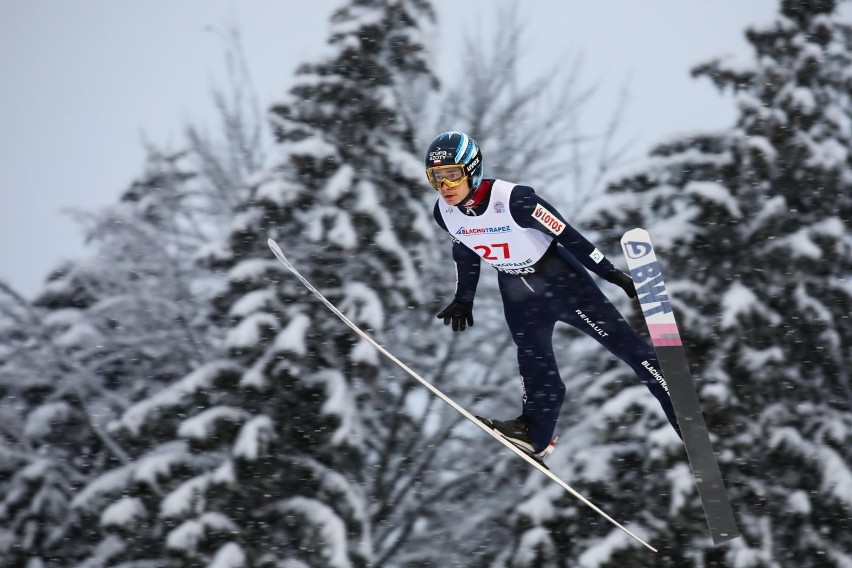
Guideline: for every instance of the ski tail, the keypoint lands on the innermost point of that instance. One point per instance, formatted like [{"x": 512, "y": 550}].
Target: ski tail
[{"x": 437, "y": 392}]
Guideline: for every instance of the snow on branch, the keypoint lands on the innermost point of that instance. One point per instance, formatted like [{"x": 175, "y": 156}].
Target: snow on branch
[
  {"x": 601, "y": 553},
  {"x": 186, "y": 499},
  {"x": 338, "y": 403},
  {"x": 251, "y": 331},
  {"x": 135, "y": 417},
  {"x": 229, "y": 556},
  {"x": 109, "y": 484},
  {"x": 203, "y": 425},
  {"x": 362, "y": 305},
  {"x": 293, "y": 337},
  {"x": 330, "y": 535},
  {"x": 715, "y": 193},
  {"x": 160, "y": 463},
  {"x": 740, "y": 301},
  {"x": 254, "y": 438},
  {"x": 253, "y": 270},
  {"x": 191, "y": 533},
  {"x": 124, "y": 513},
  {"x": 255, "y": 301},
  {"x": 835, "y": 475}
]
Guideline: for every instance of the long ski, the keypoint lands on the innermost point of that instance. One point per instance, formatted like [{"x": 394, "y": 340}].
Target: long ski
[
  {"x": 437, "y": 392},
  {"x": 657, "y": 310}
]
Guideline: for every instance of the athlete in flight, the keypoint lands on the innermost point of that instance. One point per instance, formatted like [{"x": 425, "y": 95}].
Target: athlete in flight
[{"x": 543, "y": 266}]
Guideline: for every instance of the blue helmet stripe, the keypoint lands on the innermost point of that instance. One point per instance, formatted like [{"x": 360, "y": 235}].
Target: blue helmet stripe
[
  {"x": 471, "y": 150},
  {"x": 462, "y": 148}
]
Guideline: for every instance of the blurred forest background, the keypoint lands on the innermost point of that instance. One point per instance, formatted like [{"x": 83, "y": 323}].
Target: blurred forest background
[{"x": 177, "y": 398}]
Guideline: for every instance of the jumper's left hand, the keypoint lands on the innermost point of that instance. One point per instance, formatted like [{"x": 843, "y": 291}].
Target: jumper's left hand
[
  {"x": 622, "y": 280},
  {"x": 458, "y": 314}
]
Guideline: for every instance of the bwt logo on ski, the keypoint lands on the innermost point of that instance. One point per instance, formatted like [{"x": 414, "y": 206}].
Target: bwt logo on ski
[
  {"x": 651, "y": 289},
  {"x": 484, "y": 230},
  {"x": 636, "y": 249},
  {"x": 548, "y": 219}
]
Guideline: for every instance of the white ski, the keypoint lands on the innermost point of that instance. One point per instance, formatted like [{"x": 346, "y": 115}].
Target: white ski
[{"x": 437, "y": 392}]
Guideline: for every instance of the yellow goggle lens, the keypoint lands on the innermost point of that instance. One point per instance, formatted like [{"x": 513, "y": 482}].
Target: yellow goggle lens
[{"x": 453, "y": 176}]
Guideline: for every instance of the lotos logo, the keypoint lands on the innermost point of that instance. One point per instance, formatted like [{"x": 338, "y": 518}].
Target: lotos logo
[
  {"x": 548, "y": 219},
  {"x": 636, "y": 249}
]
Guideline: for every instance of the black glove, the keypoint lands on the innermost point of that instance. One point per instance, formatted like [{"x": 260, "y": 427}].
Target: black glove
[
  {"x": 621, "y": 279},
  {"x": 459, "y": 313}
]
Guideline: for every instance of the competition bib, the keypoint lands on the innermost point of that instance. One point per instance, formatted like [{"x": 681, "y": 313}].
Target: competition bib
[{"x": 495, "y": 236}]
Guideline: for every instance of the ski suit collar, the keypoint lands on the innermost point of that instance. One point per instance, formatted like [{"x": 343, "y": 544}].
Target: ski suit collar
[{"x": 479, "y": 195}]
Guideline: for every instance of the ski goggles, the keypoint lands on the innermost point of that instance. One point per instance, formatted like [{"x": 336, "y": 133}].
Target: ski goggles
[{"x": 452, "y": 175}]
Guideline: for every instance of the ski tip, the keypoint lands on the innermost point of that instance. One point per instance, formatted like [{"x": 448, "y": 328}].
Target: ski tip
[
  {"x": 274, "y": 246},
  {"x": 276, "y": 250},
  {"x": 634, "y": 234}
]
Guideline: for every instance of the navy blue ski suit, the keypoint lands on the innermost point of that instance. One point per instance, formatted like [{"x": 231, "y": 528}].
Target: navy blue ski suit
[{"x": 560, "y": 289}]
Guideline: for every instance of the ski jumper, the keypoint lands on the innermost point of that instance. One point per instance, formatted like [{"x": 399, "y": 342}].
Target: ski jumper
[{"x": 542, "y": 265}]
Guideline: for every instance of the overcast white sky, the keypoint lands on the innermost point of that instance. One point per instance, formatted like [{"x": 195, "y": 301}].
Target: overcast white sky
[{"x": 85, "y": 82}]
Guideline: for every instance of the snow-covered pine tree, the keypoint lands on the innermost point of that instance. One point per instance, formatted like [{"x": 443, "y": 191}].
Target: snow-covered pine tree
[
  {"x": 46, "y": 442},
  {"x": 104, "y": 330},
  {"x": 259, "y": 458},
  {"x": 752, "y": 224},
  {"x": 108, "y": 330}
]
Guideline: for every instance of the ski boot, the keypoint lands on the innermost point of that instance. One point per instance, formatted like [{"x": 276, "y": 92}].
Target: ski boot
[{"x": 517, "y": 432}]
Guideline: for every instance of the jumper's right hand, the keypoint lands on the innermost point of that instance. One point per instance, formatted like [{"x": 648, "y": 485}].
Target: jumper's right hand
[{"x": 459, "y": 314}]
